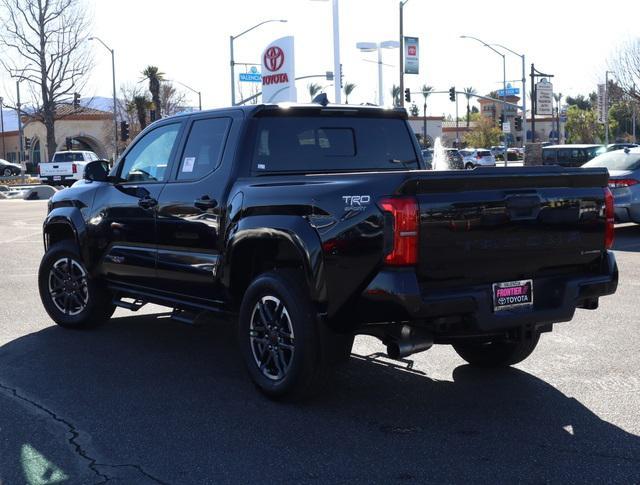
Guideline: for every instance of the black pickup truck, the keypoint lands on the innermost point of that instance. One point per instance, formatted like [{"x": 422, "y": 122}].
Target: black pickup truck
[{"x": 309, "y": 224}]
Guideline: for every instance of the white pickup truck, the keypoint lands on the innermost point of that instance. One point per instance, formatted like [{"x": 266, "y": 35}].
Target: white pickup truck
[{"x": 65, "y": 168}]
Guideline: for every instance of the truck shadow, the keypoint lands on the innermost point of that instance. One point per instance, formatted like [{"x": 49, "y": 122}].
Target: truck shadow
[
  {"x": 176, "y": 402},
  {"x": 627, "y": 238}
]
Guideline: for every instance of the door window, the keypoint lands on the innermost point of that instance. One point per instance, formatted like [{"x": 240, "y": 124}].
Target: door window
[
  {"x": 147, "y": 161},
  {"x": 204, "y": 147}
]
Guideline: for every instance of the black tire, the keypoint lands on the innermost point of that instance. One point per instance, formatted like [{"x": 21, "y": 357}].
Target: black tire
[
  {"x": 71, "y": 297},
  {"x": 469, "y": 166},
  {"x": 7, "y": 172},
  {"x": 497, "y": 353},
  {"x": 286, "y": 349}
]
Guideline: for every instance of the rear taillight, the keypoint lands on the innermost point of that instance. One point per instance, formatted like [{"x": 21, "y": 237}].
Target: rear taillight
[
  {"x": 619, "y": 183},
  {"x": 609, "y": 214},
  {"x": 74, "y": 168},
  {"x": 404, "y": 212}
]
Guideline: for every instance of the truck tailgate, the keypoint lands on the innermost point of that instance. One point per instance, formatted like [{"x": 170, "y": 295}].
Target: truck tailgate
[
  {"x": 495, "y": 225},
  {"x": 56, "y": 168}
]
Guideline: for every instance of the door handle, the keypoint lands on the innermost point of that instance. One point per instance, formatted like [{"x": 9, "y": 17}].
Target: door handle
[
  {"x": 147, "y": 202},
  {"x": 205, "y": 202}
]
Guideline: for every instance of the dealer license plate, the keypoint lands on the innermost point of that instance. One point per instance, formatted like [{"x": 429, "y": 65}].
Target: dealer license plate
[
  {"x": 512, "y": 294},
  {"x": 57, "y": 177}
]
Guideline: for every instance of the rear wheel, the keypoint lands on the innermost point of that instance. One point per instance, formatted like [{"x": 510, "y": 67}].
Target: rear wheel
[
  {"x": 7, "y": 172},
  {"x": 283, "y": 343},
  {"x": 497, "y": 353},
  {"x": 469, "y": 166},
  {"x": 71, "y": 297}
]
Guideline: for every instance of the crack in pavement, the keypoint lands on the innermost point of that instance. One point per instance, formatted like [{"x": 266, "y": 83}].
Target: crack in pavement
[{"x": 93, "y": 464}]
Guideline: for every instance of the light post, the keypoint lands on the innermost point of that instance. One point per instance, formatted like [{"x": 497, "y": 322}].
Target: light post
[
  {"x": 232, "y": 61},
  {"x": 504, "y": 88},
  {"x": 115, "y": 106},
  {"x": 337, "y": 66},
  {"x": 190, "y": 89},
  {"x": 524, "y": 92},
  {"x": 402, "y": 4},
  {"x": 378, "y": 46},
  {"x": 4, "y": 148}
]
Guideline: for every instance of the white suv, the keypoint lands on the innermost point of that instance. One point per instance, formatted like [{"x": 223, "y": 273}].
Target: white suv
[{"x": 477, "y": 157}]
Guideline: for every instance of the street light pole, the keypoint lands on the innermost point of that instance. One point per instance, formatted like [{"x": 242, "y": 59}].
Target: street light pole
[
  {"x": 20, "y": 131},
  {"x": 337, "y": 66},
  {"x": 504, "y": 88},
  {"x": 115, "y": 105},
  {"x": 232, "y": 61},
  {"x": 190, "y": 89},
  {"x": 401, "y": 40},
  {"x": 524, "y": 91},
  {"x": 378, "y": 46},
  {"x": 4, "y": 148}
]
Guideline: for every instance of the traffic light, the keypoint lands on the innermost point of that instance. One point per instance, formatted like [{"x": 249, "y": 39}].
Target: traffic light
[
  {"x": 27, "y": 143},
  {"x": 407, "y": 95},
  {"x": 124, "y": 131},
  {"x": 501, "y": 119},
  {"x": 68, "y": 141},
  {"x": 76, "y": 100},
  {"x": 152, "y": 115},
  {"x": 452, "y": 93},
  {"x": 518, "y": 123}
]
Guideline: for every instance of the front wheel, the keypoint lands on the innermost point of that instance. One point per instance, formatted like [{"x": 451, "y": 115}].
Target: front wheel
[
  {"x": 7, "y": 172},
  {"x": 497, "y": 353},
  {"x": 469, "y": 166},
  {"x": 282, "y": 341},
  {"x": 71, "y": 297}
]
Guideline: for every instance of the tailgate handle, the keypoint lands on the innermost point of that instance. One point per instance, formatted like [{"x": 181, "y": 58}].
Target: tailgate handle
[{"x": 523, "y": 207}]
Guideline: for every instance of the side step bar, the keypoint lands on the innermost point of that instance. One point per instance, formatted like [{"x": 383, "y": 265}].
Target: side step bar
[{"x": 134, "y": 306}]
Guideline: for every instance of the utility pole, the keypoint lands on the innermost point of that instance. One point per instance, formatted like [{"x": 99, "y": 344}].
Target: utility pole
[
  {"x": 534, "y": 106},
  {"x": 20, "y": 133},
  {"x": 457, "y": 123},
  {"x": 4, "y": 148}
]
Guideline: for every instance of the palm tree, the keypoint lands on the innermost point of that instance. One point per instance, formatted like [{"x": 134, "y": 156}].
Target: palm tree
[
  {"x": 395, "y": 95},
  {"x": 426, "y": 91},
  {"x": 141, "y": 103},
  {"x": 468, "y": 92},
  {"x": 348, "y": 89},
  {"x": 314, "y": 88},
  {"x": 153, "y": 74}
]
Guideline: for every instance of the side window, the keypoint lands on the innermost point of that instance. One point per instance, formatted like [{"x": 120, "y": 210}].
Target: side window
[
  {"x": 549, "y": 156},
  {"x": 204, "y": 147},
  {"x": 148, "y": 159}
]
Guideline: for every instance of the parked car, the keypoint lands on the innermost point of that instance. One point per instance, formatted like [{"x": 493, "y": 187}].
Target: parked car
[
  {"x": 474, "y": 157},
  {"x": 66, "y": 167},
  {"x": 515, "y": 153},
  {"x": 454, "y": 159},
  {"x": 9, "y": 169},
  {"x": 619, "y": 146},
  {"x": 570, "y": 155},
  {"x": 624, "y": 181},
  {"x": 427, "y": 156},
  {"x": 498, "y": 151},
  {"x": 271, "y": 217}
]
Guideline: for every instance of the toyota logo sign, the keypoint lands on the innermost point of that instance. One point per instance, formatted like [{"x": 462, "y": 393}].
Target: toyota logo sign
[{"x": 273, "y": 58}]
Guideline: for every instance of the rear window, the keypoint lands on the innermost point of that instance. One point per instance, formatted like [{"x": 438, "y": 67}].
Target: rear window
[
  {"x": 320, "y": 144},
  {"x": 68, "y": 157},
  {"x": 618, "y": 160}
]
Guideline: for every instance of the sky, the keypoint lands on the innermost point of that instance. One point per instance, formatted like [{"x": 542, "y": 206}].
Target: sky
[{"x": 189, "y": 41}]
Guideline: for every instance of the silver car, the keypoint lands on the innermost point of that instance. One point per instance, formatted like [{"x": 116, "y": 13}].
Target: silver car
[
  {"x": 624, "y": 181},
  {"x": 477, "y": 157}
]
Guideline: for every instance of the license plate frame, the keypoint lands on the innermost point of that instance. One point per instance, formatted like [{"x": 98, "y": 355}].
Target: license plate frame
[
  {"x": 57, "y": 177},
  {"x": 509, "y": 295}
]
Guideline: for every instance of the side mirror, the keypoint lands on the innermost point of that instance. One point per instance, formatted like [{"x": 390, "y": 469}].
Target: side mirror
[{"x": 97, "y": 171}]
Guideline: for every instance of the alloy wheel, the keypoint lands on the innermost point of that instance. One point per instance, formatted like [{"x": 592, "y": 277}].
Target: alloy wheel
[
  {"x": 271, "y": 337},
  {"x": 68, "y": 286}
]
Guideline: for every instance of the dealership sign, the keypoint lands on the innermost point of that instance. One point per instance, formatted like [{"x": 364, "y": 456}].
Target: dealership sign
[
  {"x": 278, "y": 73},
  {"x": 253, "y": 76},
  {"x": 544, "y": 98},
  {"x": 602, "y": 102},
  {"x": 411, "y": 53}
]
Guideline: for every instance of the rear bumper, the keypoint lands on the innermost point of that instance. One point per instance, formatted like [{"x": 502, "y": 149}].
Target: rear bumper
[
  {"x": 396, "y": 295},
  {"x": 64, "y": 180}
]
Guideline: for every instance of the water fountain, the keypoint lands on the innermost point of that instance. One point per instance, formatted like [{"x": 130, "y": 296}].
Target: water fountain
[{"x": 440, "y": 161}]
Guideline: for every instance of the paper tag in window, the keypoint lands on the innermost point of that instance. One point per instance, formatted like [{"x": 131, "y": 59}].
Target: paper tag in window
[
  {"x": 188, "y": 163},
  {"x": 262, "y": 166}
]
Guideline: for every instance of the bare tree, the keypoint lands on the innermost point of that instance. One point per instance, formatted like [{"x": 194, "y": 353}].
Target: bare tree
[
  {"x": 45, "y": 43},
  {"x": 172, "y": 100},
  {"x": 626, "y": 66}
]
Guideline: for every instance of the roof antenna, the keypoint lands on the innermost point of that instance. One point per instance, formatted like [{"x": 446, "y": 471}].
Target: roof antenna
[{"x": 321, "y": 99}]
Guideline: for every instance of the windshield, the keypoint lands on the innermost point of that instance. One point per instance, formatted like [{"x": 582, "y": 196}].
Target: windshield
[
  {"x": 68, "y": 157},
  {"x": 327, "y": 143},
  {"x": 618, "y": 160}
]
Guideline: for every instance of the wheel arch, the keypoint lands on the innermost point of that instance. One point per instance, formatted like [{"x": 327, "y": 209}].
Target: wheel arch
[
  {"x": 261, "y": 243},
  {"x": 63, "y": 224}
]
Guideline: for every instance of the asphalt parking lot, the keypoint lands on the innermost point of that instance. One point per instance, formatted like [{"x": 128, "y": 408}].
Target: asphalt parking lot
[{"x": 147, "y": 400}]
